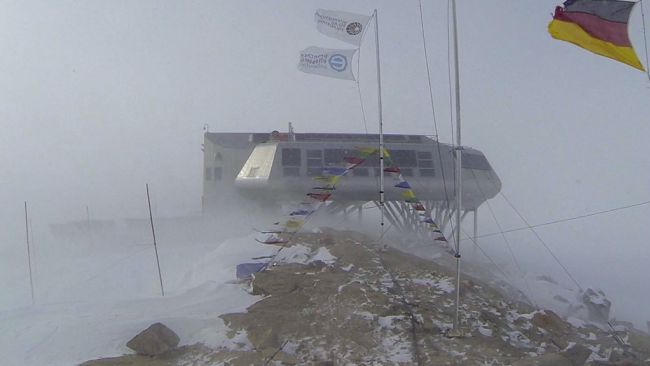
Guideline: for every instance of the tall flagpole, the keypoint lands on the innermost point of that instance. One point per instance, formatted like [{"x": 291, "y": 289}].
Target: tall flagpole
[
  {"x": 29, "y": 255},
  {"x": 456, "y": 332},
  {"x": 381, "y": 129}
]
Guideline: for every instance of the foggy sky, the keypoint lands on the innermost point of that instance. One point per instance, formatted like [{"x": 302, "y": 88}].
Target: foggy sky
[{"x": 100, "y": 97}]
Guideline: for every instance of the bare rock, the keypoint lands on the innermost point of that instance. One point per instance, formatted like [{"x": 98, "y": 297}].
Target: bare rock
[
  {"x": 597, "y": 304},
  {"x": 578, "y": 354},
  {"x": 491, "y": 317},
  {"x": 549, "y": 359},
  {"x": 639, "y": 342},
  {"x": 551, "y": 322},
  {"x": 153, "y": 341}
]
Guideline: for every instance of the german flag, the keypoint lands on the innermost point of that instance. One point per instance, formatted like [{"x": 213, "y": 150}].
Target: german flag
[{"x": 599, "y": 26}]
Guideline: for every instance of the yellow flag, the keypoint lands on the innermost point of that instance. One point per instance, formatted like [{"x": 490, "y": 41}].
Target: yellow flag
[
  {"x": 331, "y": 180},
  {"x": 293, "y": 224},
  {"x": 409, "y": 194}
]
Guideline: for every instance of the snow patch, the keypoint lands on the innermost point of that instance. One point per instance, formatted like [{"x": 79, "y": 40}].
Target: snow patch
[{"x": 323, "y": 255}]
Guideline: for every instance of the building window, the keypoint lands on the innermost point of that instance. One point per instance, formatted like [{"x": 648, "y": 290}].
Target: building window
[
  {"x": 208, "y": 174},
  {"x": 314, "y": 162},
  {"x": 217, "y": 173},
  {"x": 291, "y": 157},
  {"x": 425, "y": 162},
  {"x": 404, "y": 158},
  {"x": 334, "y": 157}
]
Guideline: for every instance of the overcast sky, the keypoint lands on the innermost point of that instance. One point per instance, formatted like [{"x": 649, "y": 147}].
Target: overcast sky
[{"x": 98, "y": 98}]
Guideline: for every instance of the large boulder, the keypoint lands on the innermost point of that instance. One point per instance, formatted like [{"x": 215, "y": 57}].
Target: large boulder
[
  {"x": 578, "y": 354},
  {"x": 597, "y": 304},
  {"x": 153, "y": 341},
  {"x": 551, "y": 322}
]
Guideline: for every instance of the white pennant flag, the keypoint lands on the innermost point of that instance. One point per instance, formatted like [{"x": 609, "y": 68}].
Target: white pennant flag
[
  {"x": 348, "y": 27},
  {"x": 327, "y": 62}
]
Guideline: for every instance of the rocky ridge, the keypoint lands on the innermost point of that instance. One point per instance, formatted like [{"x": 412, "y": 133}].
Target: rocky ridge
[{"x": 334, "y": 299}]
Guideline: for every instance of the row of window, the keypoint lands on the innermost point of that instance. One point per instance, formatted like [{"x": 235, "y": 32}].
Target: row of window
[
  {"x": 213, "y": 173},
  {"x": 402, "y": 158},
  {"x": 358, "y": 172},
  {"x": 334, "y": 157},
  {"x": 320, "y": 160}
]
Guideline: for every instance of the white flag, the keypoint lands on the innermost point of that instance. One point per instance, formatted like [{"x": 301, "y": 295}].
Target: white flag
[
  {"x": 327, "y": 62},
  {"x": 347, "y": 27}
]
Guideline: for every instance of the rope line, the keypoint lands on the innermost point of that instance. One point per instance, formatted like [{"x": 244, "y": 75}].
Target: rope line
[
  {"x": 505, "y": 276},
  {"x": 542, "y": 241},
  {"x": 451, "y": 107},
  {"x": 512, "y": 253},
  {"x": 276, "y": 352},
  {"x": 596, "y": 213},
  {"x": 645, "y": 39},
  {"x": 433, "y": 108}
]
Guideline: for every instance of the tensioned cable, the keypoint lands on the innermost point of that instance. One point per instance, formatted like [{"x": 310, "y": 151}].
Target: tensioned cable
[
  {"x": 505, "y": 276},
  {"x": 433, "y": 108},
  {"x": 541, "y": 241},
  {"x": 645, "y": 39},
  {"x": 451, "y": 107},
  {"x": 569, "y": 219},
  {"x": 496, "y": 221},
  {"x": 531, "y": 228}
]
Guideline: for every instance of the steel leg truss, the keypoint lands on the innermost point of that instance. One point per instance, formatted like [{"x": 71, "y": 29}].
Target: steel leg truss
[{"x": 403, "y": 218}]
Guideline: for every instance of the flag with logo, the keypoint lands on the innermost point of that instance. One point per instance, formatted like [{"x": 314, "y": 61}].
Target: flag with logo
[
  {"x": 347, "y": 27},
  {"x": 334, "y": 63}
]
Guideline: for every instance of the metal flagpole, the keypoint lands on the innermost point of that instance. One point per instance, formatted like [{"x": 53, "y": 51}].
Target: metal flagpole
[
  {"x": 381, "y": 129},
  {"x": 456, "y": 332},
  {"x": 155, "y": 247},
  {"x": 29, "y": 255}
]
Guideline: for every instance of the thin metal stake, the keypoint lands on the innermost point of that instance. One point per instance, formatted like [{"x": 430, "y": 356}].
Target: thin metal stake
[{"x": 155, "y": 246}]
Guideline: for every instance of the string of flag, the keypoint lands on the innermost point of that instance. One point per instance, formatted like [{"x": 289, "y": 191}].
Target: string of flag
[{"x": 321, "y": 194}]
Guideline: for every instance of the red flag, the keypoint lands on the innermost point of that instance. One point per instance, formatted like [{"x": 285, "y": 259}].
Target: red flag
[{"x": 319, "y": 196}]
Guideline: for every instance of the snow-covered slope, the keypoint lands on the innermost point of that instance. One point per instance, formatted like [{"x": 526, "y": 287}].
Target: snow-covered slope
[{"x": 103, "y": 311}]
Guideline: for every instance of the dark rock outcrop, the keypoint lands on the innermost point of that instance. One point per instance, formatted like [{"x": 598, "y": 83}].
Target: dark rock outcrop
[
  {"x": 153, "y": 341},
  {"x": 578, "y": 354}
]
